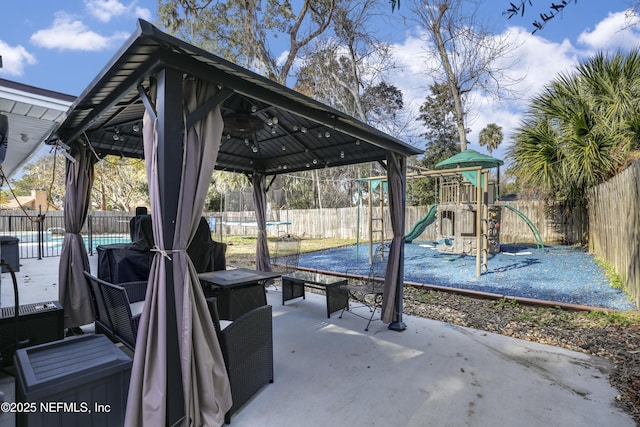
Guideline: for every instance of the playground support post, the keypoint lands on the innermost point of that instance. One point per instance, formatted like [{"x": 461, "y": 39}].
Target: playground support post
[
  {"x": 482, "y": 221},
  {"x": 478, "y": 222},
  {"x": 370, "y": 223},
  {"x": 358, "y": 220},
  {"x": 485, "y": 220}
]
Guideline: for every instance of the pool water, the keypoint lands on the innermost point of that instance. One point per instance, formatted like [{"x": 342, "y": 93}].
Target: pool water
[{"x": 97, "y": 240}]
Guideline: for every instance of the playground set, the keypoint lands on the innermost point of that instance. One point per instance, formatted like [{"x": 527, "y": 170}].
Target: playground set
[
  {"x": 463, "y": 224},
  {"x": 466, "y": 216}
]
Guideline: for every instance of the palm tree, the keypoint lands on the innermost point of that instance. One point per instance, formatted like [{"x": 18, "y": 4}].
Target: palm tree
[
  {"x": 580, "y": 130},
  {"x": 491, "y": 136}
]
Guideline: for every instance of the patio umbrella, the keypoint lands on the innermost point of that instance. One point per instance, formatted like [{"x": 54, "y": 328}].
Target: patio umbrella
[
  {"x": 394, "y": 278},
  {"x": 205, "y": 385},
  {"x": 73, "y": 291},
  {"x": 260, "y": 206}
]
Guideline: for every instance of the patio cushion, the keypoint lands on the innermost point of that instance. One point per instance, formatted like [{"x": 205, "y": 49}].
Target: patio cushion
[
  {"x": 225, "y": 323},
  {"x": 136, "y": 308}
]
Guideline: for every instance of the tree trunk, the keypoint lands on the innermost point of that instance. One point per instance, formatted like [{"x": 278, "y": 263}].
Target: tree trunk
[{"x": 451, "y": 79}]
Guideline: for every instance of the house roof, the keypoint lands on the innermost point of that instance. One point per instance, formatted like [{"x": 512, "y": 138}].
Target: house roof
[
  {"x": 30, "y": 202},
  {"x": 32, "y": 114},
  {"x": 269, "y": 128}
]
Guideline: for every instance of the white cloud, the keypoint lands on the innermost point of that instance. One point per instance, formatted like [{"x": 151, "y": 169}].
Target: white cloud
[
  {"x": 14, "y": 59},
  {"x": 105, "y": 10},
  {"x": 411, "y": 74},
  {"x": 532, "y": 65},
  {"x": 540, "y": 60},
  {"x": 143, "y": 13},
  {"x": 67, "y": 33},
  {"x": 618, "y": 30}
]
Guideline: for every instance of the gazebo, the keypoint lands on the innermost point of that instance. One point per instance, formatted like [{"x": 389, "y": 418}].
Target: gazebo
[{"x": 188, "y": 112}]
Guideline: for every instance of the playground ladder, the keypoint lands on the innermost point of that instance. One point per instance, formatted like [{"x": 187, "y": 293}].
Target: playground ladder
[{"x": 376, "y": 233}]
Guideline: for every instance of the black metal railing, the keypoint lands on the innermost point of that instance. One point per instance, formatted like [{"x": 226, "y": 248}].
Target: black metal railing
[{"x": 41, "y": 236}]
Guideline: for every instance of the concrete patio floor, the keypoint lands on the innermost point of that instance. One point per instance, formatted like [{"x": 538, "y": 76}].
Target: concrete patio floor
[{"x": 330, "y": 372}]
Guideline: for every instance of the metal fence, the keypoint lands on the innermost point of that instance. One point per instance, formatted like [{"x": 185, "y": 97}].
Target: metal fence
[{"x": 41, "y": 236}]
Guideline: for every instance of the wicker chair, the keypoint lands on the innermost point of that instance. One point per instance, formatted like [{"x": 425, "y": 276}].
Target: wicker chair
[
  {"x": 367, "y": 286},
  {"x": 246, "y": 343},
  {"x": 247, "y": 348},
  {"x": 118, "y": 308},
  {"x": 287, "y": 253}
]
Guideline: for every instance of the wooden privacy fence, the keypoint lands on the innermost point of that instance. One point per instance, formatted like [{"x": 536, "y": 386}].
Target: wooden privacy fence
[
  {"x": 614, "y": 224},
  {"x": 555, "y": 225}
]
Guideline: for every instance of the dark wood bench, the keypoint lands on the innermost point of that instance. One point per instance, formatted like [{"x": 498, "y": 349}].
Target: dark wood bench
[{"x": 293, "y": 285}]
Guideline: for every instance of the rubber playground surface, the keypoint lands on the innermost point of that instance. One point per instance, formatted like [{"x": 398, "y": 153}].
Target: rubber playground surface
[{"x": 566, "y": 274}]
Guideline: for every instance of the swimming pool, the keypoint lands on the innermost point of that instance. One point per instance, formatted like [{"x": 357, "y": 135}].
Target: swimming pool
[
  {"x": 566, "y": 274},
  {"x": 96, "y": 240}
]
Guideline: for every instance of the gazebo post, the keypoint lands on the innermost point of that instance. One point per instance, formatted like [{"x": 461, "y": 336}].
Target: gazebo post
[
  {"x": 399, "y": 195},
  {"x": 170, "y": 151}
]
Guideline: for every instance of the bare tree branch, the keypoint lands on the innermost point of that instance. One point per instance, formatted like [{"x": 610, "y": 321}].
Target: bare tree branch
[{"x": 467, "y": 57}]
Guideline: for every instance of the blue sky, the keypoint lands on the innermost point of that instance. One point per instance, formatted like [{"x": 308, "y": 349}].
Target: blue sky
[{"x": 62, "y": 46}]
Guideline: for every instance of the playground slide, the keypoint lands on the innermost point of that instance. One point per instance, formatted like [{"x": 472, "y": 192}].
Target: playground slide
[
  {"x": 532, "y": 227},
  {"x": 421, "y": 225}
]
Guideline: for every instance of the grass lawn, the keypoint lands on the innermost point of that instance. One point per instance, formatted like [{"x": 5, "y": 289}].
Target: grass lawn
[{"x": 241, "y": 250}]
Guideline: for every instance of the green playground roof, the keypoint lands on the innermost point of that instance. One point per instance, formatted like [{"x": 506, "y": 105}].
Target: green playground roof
[{"x": 469, "y": 158}]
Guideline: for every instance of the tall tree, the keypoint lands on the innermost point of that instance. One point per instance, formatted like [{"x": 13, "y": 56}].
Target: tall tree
[
  {"x": 581, "y": 129},
  {"x": 119, "y": 184},
  {"x": 491, "y": 136},
  {"x": 437, "y": 115},
  {"x": 240, "y": 30},
  {"x": 243, "y": 32},
  {"x": 349, "y": 71},
  {"x": 46, "y": 173},
  {"x": 466, "y": 54}
]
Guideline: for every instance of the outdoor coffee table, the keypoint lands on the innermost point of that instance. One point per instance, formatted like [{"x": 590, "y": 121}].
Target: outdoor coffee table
[
  {"x": 237, "y": 291},
  {"x": 293, "y": 285}
]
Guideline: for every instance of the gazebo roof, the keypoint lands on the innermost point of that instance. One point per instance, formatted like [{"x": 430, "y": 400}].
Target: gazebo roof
[
  {"x": 269, "y": 128},
  {"x": 469, "y": 158}
]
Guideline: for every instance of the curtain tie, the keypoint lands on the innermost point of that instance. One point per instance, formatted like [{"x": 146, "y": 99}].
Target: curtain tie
[{"x": 165, "y": 252}]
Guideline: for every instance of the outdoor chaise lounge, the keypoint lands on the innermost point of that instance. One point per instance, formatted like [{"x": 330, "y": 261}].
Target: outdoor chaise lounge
[{"x": 246, "y": 343}]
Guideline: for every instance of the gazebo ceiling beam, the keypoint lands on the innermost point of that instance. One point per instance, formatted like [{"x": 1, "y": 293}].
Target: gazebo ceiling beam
[{"x": 112, "y": 99}]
